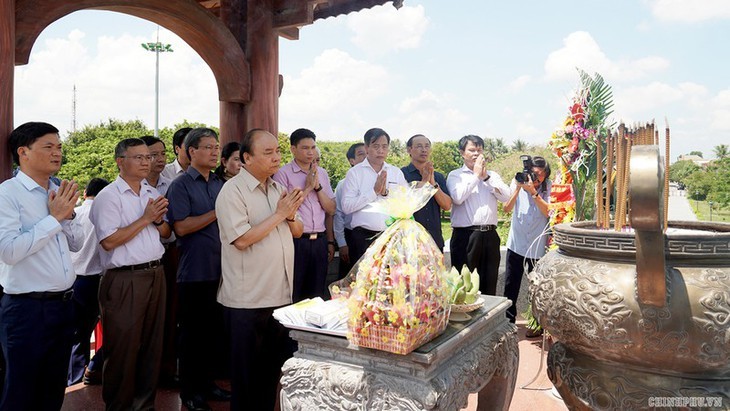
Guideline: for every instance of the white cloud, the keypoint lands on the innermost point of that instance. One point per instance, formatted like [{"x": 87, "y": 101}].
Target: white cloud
[
  {"x": 519, "y": 83},
  {"x": 114, "y": 79},
  {"x": 327, "y": 96},
  {"x": 580, "y": 50},
  {"x": 719, "y": 112},
  {"x": 428, "y": 113},
  {"x": 690, "y": 11},
  {"x": 384, "y": 28}
]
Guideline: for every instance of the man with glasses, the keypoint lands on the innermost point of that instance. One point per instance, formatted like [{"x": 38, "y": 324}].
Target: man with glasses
[
  {"x": 128, "y": 217},
  {"x": 364, "y": 184},
  {"x": 421, "y": 169},
  {"x": 192, "y": 214}
]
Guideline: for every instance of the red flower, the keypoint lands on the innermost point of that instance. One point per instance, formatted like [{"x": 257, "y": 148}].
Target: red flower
[{"x": 577, "y": 112}]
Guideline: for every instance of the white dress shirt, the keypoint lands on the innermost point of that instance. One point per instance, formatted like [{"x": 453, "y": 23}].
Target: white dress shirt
[
  {"x": 359, "y": 194},
  {"x": 474, "y": 200},
  {"x": 172, "y": 170},
  {"x": 87, "y": 261},
  {"x": 163, "y": 183},
  {"x": 341, "y": 220},
  {"x": 117, "y": 206},
  {"x": 34, "y": 246}
]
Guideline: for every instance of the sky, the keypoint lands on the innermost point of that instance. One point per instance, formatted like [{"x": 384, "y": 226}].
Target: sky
[{"x": 435, "y": 67}]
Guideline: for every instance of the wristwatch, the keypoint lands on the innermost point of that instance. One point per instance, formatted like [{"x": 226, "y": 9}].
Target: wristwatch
[
  {"x": 534, "y": 195},
  {"x": 317, "y": 190}
]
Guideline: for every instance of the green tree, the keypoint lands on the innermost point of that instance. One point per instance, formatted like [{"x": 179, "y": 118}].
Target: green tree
[
  {"x": 721, "y": 151},
  {"x": 520, "y": 145},
  {"x": 681, "y": 170},
  {"x": 695, "y": 153},
  {"x": 89, "y": 152},
  {"x": 446, "y": 156}
]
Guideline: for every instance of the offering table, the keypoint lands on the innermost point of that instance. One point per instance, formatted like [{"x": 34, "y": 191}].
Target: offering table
[{"x": 476, "y": 355}]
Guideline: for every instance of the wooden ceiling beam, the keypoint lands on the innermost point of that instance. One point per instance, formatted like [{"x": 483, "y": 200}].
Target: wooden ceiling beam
[{"x": 292, "y": 13}]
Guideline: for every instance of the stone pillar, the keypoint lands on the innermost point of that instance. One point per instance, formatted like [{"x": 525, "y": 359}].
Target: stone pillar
[
  {"x": 233, "y": 14},
  {"x": 7, "y": 72},
  {"x": 262, "y": 51}
]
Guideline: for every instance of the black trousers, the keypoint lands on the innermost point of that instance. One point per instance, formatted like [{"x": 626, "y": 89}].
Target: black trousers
[
  {"x": 201, "y": 328},
  {"x": 361, "y": 240},
  {"x": 480, "y": 250},
  {"x": 86, "y": 315},
  {"x": 345, "y": 267},
  {"x": 168, "y": 368},
  {"x": 514, "y": 270},
  {"x": 310, "y": 267},
  {"x": 259, "y": 347},
  {"x": 36, "y": 340}
]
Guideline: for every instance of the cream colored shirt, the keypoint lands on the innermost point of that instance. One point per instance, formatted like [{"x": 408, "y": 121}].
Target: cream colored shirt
[{"x": 262, "y": 275}]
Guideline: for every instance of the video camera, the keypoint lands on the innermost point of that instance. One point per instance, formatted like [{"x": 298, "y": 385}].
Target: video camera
[{"x": 526, "y": 174}]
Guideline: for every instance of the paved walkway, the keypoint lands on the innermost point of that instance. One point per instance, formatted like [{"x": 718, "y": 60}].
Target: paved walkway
[{"x": 679, "y": 206}]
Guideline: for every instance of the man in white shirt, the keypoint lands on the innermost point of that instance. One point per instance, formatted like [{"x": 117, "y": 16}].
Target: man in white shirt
[
  {"x": 128, "y": 220},
  {"x": 475, "y": 192},
  {"x": 181, "y": 162},
  {"x": 87, "y": 265},
  {"x": 364, "y": 184},
  {"x": 36, "y": 235},
  {"x": 342, "y": 223}
]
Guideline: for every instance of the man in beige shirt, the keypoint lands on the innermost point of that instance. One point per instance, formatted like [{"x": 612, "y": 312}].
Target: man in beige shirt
[{"x": 257, "y": 220}]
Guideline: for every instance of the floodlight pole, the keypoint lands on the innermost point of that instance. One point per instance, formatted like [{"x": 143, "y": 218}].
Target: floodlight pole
[{"x": 157, "y": 48}]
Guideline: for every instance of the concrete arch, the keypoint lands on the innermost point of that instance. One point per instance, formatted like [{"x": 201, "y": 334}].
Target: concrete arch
[{"x": 202, "y": 30}]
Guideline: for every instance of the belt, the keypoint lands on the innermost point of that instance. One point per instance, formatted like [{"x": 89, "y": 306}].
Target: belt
[
  {"x": 49, "y": 295},
  {"x": 151, "y": 265},
  {"x": 485, "y": 227},
  {"x": 365, "y": 230},
  {"x": 313, "y": 236}
]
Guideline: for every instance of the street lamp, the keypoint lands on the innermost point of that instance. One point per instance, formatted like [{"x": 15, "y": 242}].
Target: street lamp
[
  {"x": 697, "y": 201},
  {"x": 157, "y": 48},
  {"x": 710, "y": 203}
]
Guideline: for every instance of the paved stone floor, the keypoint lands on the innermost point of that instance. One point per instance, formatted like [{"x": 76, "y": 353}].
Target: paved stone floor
[{"x": 537, "y": 396}]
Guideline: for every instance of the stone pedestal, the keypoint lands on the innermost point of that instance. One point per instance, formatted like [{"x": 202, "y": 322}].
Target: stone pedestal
[{"x": 479, "y": 355}]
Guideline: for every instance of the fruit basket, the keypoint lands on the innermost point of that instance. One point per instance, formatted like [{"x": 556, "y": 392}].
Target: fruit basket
[{"x": 398, "y": 300}]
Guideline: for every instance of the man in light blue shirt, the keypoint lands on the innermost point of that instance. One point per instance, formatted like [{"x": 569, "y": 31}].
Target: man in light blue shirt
[
  {"x": 527, "y": 239},
  {"x": 36, "y": 237}
]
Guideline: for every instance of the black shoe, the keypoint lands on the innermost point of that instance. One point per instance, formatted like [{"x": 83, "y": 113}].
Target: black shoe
[
  {"x": 219, "y": 394},
  {"x": 92, "y": 377},
  {"x": 196, "y": 403}
]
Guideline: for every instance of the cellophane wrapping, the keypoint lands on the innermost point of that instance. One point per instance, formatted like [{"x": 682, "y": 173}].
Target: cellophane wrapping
[{"x": 398, "y": 300}]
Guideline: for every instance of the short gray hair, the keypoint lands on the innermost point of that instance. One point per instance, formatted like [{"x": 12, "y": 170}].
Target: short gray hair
[{"x": 192, "y": 139}]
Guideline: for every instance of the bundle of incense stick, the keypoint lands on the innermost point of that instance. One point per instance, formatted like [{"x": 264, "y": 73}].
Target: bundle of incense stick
[{"x": 617, "y": 170}]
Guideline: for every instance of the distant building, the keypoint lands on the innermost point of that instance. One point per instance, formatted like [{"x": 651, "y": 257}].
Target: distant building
[{"x": 695, "y": 159}]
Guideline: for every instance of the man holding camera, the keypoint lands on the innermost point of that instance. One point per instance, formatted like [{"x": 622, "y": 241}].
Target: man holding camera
[
  {"x": 475, "y": 192},
  {"x": 527, "y": 239}
]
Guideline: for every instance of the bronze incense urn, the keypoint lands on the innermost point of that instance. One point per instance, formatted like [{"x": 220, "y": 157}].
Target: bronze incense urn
[{"x": 642, "y": 318}]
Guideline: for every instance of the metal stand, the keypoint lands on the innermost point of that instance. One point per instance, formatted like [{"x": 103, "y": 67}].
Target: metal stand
[{"x": 539, "y": 370}]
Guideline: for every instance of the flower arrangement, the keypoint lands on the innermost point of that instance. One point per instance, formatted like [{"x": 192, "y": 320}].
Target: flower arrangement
[
  {"x": 399, "y": 300},
  {"x": 574, "y": 143}
]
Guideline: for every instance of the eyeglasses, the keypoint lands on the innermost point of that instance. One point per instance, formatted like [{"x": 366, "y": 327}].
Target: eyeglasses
[
  {"x": 209, "y": 147},
  {"x": 140, "y": 157}
]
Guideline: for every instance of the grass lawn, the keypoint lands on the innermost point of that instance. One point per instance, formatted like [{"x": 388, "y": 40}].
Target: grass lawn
[{"x": 702, "y": 210}]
